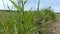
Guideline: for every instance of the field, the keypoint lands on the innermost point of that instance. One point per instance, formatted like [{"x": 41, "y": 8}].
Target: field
[
  {"x": 20, "y": 21},
  {"x": 53, "y": 29}
]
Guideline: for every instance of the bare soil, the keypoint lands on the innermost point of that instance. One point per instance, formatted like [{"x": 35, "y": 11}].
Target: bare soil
[{"x": 55, "y": 27}]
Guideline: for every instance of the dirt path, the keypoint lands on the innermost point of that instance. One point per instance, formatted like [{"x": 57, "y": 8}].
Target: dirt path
[{"x": 55, "y": 28}]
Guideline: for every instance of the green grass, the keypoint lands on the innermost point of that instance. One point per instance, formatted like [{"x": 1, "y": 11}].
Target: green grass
[{"x": 8, "y": 19}]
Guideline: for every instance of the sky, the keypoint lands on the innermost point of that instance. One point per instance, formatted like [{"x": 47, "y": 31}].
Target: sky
[
  {"x": 55, "y": 4},
  {"x": 30, "y": 4}
]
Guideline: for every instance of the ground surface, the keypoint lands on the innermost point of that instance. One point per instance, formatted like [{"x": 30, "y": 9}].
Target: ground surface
[{"x": 55, "y": 28}]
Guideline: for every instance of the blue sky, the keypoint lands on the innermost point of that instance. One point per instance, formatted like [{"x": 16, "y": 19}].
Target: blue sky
[
  {"x": 30, "y": 4},
  {"x": 55, "y": 4}
]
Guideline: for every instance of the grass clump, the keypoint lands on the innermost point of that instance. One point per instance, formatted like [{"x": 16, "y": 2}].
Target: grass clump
[{"x": 44, "y": 19}]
